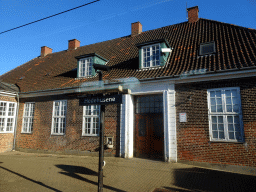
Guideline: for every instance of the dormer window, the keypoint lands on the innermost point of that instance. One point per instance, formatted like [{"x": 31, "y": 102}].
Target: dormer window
[
  {"x": 85, "y": 64},
  {"x": 150, "y": 55},
  {"x": 85, "y": 67}
]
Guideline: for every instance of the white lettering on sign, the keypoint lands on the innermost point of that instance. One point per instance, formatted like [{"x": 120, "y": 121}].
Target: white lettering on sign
[{"x": 100, "y": 100}]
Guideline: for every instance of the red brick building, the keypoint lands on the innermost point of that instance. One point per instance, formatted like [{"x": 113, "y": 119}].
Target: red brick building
[{"x": 190, "y": 96}]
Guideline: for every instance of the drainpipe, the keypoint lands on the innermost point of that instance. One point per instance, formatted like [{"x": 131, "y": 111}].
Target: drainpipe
[{"x": 16, "y": 122}]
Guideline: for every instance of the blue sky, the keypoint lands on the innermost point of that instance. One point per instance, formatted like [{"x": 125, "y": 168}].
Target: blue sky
[{"x": 101, "y": 21}]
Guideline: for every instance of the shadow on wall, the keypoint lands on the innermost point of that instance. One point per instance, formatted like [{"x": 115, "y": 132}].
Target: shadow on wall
[
  {"x": 198, "y": 179},
  {"x": 73, "y": 172}
]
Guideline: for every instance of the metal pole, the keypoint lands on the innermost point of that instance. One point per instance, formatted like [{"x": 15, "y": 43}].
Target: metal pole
[{"x": 101, "y": 151}]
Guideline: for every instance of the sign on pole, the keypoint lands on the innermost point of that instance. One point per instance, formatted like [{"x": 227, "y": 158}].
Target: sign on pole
[{"x": 102, "y": 100}]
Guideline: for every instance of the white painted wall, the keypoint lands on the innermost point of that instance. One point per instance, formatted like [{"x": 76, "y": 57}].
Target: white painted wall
[{"x": 126, "y": 127}]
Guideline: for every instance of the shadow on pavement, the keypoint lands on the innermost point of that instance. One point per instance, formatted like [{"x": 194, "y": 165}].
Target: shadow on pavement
[
  {"x": 77, "y": 169},
  {"x": 73, "y": 172},
  {"x": 37, "y": 182},
  {"x": 198, "y": 179}
]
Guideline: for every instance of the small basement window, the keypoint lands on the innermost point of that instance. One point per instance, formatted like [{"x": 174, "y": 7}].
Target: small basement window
[{"x": 207, "y": 48}]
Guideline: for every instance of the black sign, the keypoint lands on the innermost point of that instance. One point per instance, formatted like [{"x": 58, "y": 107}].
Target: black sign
[{"x": 102, "y": 100}]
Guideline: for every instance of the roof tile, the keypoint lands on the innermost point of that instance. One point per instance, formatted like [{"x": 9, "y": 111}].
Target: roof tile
[{"x": 235, "y": 49}]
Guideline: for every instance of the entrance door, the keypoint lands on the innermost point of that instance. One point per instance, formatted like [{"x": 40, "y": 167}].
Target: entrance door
[{"x": 149, "y": 134}]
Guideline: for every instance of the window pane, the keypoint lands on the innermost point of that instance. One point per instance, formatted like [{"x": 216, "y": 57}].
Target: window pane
[
  {"x": 213, "y": 102},
  {"x": 218, "y": 93},
  {"x": 219, "y": 108},
  {"x": 220, "y": 119},
  {"x": 230, "y": 119},
  {"x": 228, "y": 101},
  {"x": 11, "y": 109},
  {"x": 214, "y": 119},
  {"x": 2, "y": 109},
  {"x": 214, "y": 126},
  {"x": 228, "y": 93},
  {"x": 2, "y": 121},
  {"x": 236, "y": 108},
  {"x": 236, "y": 120},
  {"x": 219, "y": 101},
  {"x": 9, "y": 126},
  {"x": 56, "y": 123},
  {"x": 212, "y": 94},
  {"x": 221, "y": 127},
  {"x": 231, "y": 135},
  {"x": 238, "y": 135},
  {"x": 230, "y": 127},
  {"x": 57, "y": 108},
  {"x": 229, "y": 108},
  {"x": 215, "y": 134},
  {"x": 234, "y": 92},
  {"x": 221, "y": 135}
]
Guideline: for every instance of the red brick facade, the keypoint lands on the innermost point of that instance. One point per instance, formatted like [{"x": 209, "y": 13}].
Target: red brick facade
[
  {"x": 41, "y": 138},
  {"x": 6, "y": 142},
  {"x": 193, "y": 142}
]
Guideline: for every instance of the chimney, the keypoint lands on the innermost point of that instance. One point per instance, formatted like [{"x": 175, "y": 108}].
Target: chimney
[
  {"x": 193, "y": 14},
  {"x": 45, "y": 51},
  {"x": 73, "y": 44},
  {"x": 136, "y": 28}
]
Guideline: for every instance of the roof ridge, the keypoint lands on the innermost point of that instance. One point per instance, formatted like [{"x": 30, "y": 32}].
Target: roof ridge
[{"x": 228, "y": 24}]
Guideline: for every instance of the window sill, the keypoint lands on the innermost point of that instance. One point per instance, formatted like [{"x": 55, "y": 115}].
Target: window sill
[
  {"x": 220, "y": 141},
  {"x": 30, "y": 133},
  {"x": 56, "y": 134},
  {"x": 84, "y": 135},
  {"x": 7, "y": 132}
]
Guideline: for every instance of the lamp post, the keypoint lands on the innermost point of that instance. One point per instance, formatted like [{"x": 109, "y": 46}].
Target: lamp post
[{"x": 99, "y": 68}]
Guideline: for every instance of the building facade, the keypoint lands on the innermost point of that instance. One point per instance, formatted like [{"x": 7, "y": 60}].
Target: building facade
[{"x": 187, "y": 96}]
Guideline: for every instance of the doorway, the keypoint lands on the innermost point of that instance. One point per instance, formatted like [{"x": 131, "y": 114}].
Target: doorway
[{"x": 149, "y": 129}]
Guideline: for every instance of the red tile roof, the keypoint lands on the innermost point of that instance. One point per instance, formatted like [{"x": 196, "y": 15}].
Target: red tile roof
[{"x": 235, "y": 49}]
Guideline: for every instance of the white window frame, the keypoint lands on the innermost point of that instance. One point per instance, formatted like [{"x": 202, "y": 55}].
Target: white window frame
[
  {"x": 225, "y": 115},
  {"x": 92, "y": 123},
  {"x": 85, "y": 70},
  {"x": 153, "y": 63},
  {"x": 59, "y": 117},
  {"x": 28, "y": 126},
  {"x": 6, "y": 117}
]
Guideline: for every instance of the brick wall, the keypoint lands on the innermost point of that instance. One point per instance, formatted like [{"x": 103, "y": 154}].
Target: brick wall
[
  {"x": 6, "y": 142},
  {"x": 7, "y": 98},
  {"x": 193, "y": 142},
  {"x": 6, "y": 139},
  {"x": 41, "y": 138}
]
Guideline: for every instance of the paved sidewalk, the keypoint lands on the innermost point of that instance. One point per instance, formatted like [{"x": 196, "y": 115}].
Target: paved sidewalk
[{"x": 45, "y": 172}]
